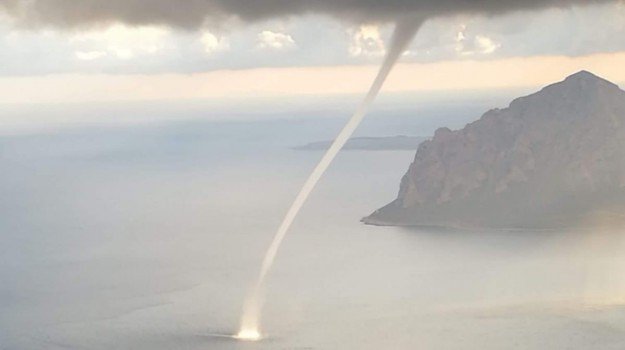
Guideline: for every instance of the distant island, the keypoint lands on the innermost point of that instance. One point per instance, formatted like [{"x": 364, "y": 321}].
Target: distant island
[
  {"x": 387, "y": 143},
  {"x": 553, "y": 159}
]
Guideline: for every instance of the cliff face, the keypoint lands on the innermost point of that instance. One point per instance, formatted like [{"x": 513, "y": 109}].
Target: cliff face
[{"x": 550, "y": 159}]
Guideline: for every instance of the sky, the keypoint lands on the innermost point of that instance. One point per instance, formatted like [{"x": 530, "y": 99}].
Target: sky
[{"x": 71, "y": 53}]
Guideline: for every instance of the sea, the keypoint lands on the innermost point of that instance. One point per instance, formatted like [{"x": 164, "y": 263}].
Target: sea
[{"x": 148, "y": 236}]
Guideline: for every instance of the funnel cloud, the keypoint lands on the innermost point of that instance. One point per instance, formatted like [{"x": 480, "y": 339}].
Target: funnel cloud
[{"x": 405, "y": 30}]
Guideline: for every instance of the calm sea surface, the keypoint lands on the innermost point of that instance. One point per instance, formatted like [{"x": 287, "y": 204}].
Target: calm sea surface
[{"x": 148, "y": 238}]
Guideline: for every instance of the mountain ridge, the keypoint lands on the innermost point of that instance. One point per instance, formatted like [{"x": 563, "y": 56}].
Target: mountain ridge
[{"x": 549, "y": 159}]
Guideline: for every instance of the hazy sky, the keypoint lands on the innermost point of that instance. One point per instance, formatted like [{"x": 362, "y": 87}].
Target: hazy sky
[{"x": 63, "y": 51}]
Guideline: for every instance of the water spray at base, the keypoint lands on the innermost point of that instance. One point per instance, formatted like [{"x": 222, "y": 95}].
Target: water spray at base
[{"x": 404, "y": 32}]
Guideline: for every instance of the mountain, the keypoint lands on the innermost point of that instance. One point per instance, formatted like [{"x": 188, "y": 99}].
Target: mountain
[
  {"x": 553, "y": 159},
  {"x": 370, "y": 144}
]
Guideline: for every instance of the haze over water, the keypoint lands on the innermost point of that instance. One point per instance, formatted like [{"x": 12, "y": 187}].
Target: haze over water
[{"x": 147, "y": 237}]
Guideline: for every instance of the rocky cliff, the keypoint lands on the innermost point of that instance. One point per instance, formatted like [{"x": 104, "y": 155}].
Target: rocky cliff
[{"x": 551, "y": 159}]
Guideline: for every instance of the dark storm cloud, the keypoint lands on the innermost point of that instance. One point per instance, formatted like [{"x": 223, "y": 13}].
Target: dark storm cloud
[{"x": 193, "y": 13}]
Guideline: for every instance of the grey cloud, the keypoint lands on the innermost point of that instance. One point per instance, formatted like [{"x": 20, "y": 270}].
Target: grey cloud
[{"x": 194, "y": 13}]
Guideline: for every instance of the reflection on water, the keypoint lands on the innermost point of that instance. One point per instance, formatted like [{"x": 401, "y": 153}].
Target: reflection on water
[{"x": 144, "y": 241}]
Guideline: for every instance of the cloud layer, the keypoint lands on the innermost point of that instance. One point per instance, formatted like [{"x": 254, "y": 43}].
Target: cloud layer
[{"x": 194, "y": 13}]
